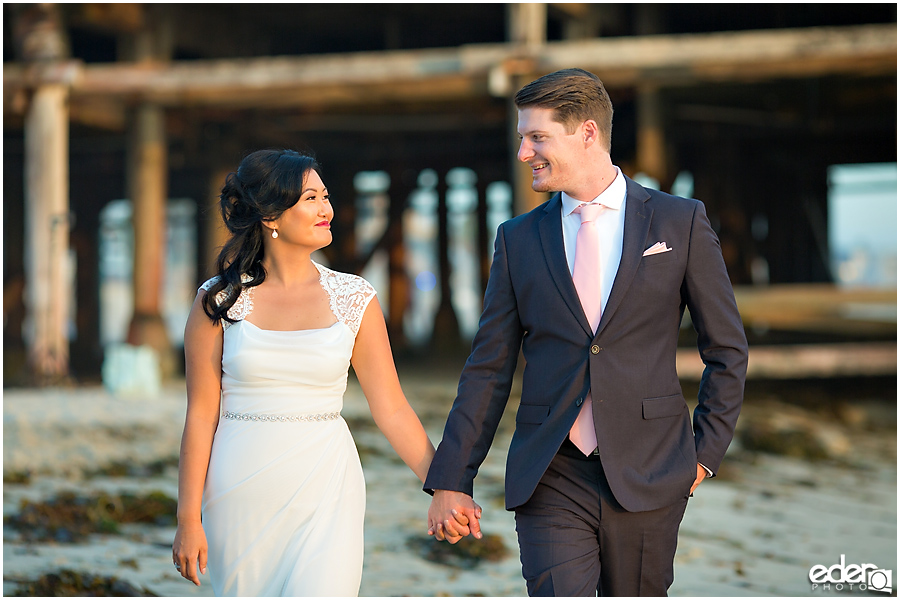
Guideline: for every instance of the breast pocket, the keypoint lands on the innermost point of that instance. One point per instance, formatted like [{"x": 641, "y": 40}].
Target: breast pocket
[{"x": 660, "y": 259}]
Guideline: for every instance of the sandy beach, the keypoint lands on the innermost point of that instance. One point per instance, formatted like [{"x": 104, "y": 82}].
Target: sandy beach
[{"x": 756, "y": 530}]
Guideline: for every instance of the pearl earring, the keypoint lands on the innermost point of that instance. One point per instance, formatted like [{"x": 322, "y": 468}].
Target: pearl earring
[{"x": 274, "y": 233}]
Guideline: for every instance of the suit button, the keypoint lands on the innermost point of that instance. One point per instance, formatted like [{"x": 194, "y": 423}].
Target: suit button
[
  {"x": 579, "y": 402},
  {"x": 595, "y": 349}
]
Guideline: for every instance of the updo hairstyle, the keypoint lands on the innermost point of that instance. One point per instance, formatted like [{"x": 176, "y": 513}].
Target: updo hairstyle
[{"x": 267, "y": 183}]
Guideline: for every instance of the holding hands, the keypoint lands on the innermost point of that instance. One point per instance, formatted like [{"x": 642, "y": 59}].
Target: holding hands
[{"x": 452, "y": 516}]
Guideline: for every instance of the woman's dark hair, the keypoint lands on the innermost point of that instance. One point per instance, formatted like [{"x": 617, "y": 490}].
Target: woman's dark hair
[{"x": 267, "y": 183}]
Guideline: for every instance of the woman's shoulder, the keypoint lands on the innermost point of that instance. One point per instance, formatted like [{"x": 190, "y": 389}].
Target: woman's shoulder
[
  {"x": 240, "y": 305},
  {"x": 343, "y": 282},
  {"x": 349, "y": 295},
  {"x": 209, "y": 283}
]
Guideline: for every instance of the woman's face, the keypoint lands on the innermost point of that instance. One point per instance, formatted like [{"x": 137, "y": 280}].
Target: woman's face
[{"x": 308, "y": 222}]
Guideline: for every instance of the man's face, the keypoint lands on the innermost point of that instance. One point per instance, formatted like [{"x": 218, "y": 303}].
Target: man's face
[{"x": 553, "y": 154}]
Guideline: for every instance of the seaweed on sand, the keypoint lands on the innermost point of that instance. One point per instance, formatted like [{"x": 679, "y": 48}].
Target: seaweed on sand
[
  {"x": 71, "y": 583},
  {"x": 467, "y": 553},
  {"x": 69, "y": 518}
]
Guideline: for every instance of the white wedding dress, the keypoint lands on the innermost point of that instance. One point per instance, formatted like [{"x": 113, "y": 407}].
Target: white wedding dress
[{"x": 284, "y": 501}]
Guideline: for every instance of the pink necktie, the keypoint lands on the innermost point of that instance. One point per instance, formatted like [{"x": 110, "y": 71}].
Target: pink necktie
[{"x": 586, "y": 276}]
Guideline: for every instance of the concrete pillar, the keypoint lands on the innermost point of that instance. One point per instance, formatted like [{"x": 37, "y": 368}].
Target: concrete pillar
[{"x": 48, "y": 280}]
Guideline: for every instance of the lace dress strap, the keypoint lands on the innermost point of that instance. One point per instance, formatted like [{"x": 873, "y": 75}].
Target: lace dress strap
[
  {"x": 241, "y": 307},
  {"x": 349, "y": 295}
]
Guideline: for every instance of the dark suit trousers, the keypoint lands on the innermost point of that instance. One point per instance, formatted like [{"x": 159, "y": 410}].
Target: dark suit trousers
[{"x": 576, "y": 540}]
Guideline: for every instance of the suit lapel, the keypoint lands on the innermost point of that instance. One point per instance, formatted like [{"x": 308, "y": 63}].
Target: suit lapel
[
  {"x": 637, "y": 227},
  {"x": 550, "y": 227}
]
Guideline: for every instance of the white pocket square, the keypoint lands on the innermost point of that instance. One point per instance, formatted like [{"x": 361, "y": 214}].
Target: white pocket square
[{"x": 656, "y": 248}]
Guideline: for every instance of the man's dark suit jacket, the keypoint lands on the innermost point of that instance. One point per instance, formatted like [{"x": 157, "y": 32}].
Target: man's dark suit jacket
[{"x": 647, "y": 446}]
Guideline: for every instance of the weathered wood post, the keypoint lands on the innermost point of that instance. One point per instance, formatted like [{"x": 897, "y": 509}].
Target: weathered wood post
[
  {"x": 403, "y": 182},
  {"x": 527, "y": 29},
  {"x": 445, "y": 339},
  {"x": 41, "y": 44},
  {"x": 484, "y": 253},
  {"x": 147, "y": 188},
  {"x": 651, "y": 143},
  {"x": 651, "y": 156},
  {"x": 147, "y": 185},
  {"x": 48, "y": 279},
  {"x": 215, "y": 232}
]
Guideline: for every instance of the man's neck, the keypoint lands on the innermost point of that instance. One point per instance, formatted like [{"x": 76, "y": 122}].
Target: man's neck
[{"x": 595, "y": 184}]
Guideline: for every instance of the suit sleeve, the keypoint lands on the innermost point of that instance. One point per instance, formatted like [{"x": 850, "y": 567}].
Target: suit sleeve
[
  {"x": 708, "y": 294},
  {"x": 484, "y": 384}
]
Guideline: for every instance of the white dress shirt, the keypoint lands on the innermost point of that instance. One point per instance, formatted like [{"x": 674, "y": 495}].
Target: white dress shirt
[{"x": 610, "y": 225}]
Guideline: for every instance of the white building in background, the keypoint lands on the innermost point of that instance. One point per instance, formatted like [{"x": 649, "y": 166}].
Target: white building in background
[{"x": 862, "y": 224}]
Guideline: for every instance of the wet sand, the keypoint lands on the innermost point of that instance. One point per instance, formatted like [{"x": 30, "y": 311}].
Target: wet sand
[{"x": 754, "y": 531}]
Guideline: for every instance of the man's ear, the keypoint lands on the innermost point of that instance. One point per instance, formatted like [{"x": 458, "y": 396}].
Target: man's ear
[{"x": 590, "y": 132}]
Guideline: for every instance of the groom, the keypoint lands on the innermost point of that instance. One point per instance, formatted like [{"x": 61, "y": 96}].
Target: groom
[{"x": 592, "y": 286}]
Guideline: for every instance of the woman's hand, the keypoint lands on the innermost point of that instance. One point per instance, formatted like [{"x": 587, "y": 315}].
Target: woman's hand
[
  {"x": 452, "y": 516},
  {"x": 203, "y": 374},
  {"x": 188, "y": 550}
]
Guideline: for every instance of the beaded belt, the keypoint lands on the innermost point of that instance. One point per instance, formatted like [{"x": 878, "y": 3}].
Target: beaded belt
[{"x": 281, "y": 418}]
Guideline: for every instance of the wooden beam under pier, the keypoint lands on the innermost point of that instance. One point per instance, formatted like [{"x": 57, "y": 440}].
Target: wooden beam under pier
[{"x": 457, "y": 73}]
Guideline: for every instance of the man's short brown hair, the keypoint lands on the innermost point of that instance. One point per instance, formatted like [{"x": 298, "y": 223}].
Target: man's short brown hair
[{"x": 574, "y": 96}]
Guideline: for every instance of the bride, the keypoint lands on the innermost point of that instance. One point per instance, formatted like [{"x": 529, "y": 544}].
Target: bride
[{"x": 271, "y": 493}]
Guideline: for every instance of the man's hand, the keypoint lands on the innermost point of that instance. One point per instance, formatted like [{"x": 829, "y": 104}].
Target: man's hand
[
  {"x": 452, "y": 516},
  {"x": 701, "y": 475}
]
